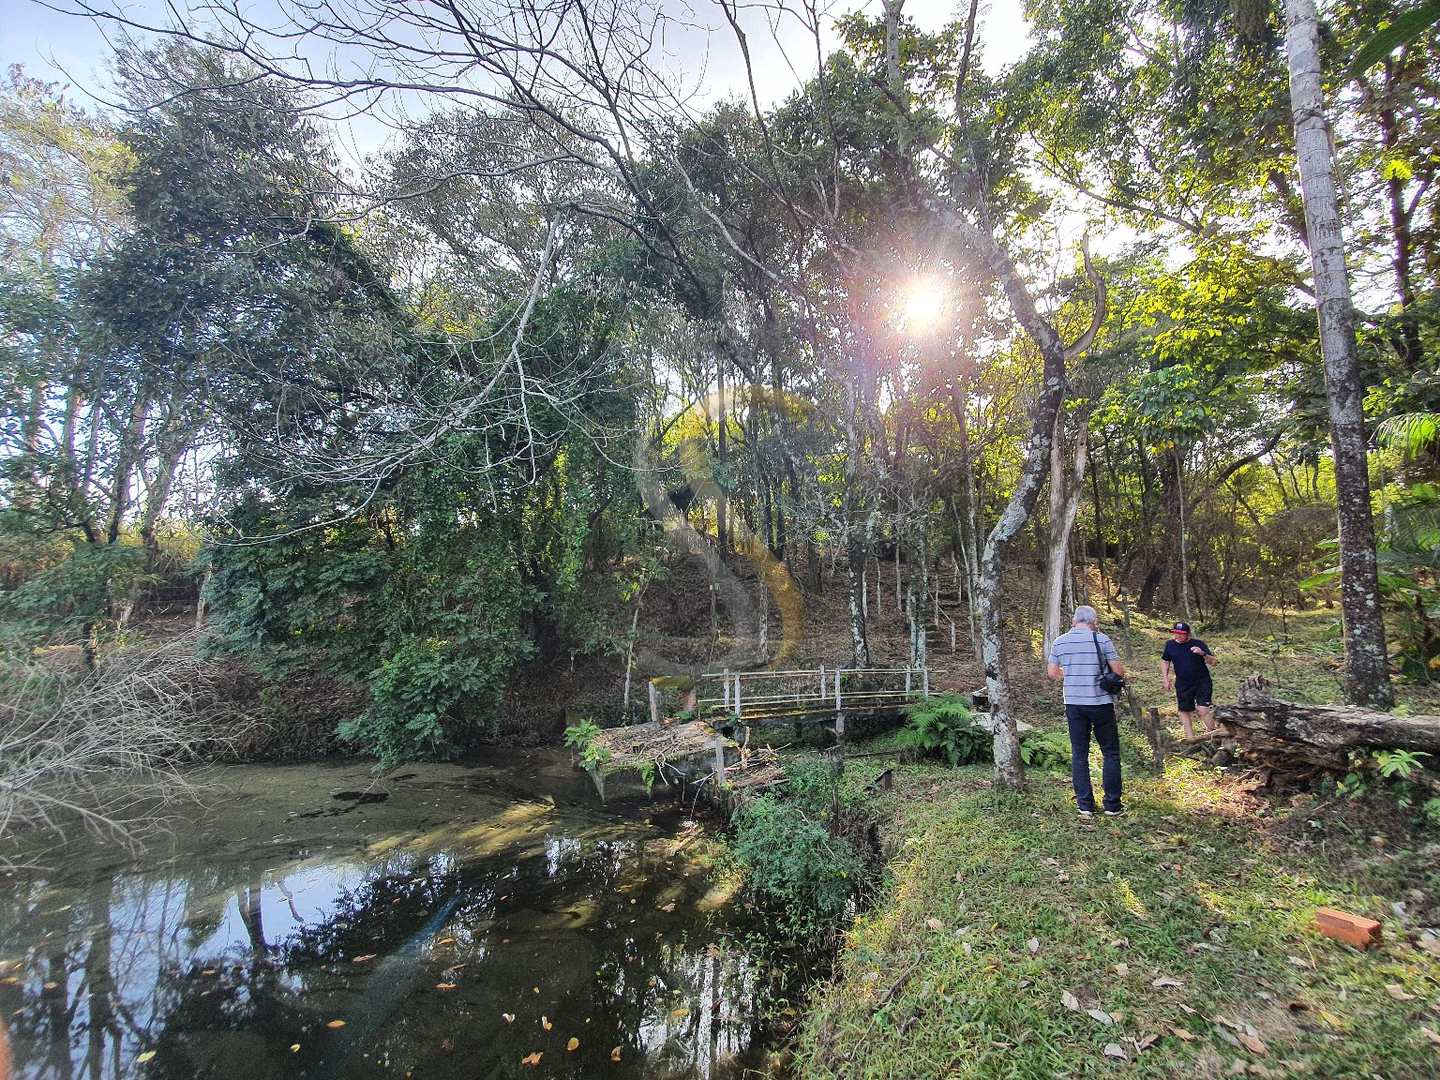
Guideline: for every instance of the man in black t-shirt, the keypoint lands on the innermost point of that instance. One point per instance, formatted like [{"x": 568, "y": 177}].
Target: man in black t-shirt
[{"x": 1189, "y": 659}]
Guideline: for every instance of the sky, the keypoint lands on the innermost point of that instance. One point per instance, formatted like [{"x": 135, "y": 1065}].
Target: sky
[{"x": 700, "y": 46}]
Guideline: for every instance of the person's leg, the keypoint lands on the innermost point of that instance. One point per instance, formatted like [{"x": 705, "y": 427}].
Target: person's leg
[
  {"x": 1205, "y": 705},
  {"x": 1107, "y": 734},
  {"x": 1185, "y": 702},
  {"x": 1079, "y": 724}
]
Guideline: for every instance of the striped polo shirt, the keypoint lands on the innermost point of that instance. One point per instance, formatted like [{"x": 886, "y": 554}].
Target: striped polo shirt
[{"x": 1075, "y": 652}]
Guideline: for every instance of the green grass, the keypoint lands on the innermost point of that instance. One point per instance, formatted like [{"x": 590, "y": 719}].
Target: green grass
[{"x": 941, "y": 978}]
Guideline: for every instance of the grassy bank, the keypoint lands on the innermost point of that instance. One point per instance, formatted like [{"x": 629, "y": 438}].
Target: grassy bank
[{"x": 1014, "y": 940}]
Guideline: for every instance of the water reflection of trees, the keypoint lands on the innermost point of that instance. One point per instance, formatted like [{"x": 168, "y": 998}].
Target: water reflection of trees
[{"x": 154, "y": 963}]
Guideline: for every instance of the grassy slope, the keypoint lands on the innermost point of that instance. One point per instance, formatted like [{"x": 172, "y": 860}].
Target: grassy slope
[{"x": 1201, "y": 883}]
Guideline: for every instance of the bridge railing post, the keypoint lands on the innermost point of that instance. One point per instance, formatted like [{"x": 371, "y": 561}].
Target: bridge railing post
[
  {"x": 737, "y": 694},
  {"x": 725, "y": 684}
]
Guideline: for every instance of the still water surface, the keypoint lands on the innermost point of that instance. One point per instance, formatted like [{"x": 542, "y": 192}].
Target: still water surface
[{"x": 477, "y": 915}]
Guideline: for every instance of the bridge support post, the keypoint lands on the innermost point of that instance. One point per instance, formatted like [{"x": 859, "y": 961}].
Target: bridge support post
[
  {"x": 925, "y": 681},
  {"x": 839, "y": 726},
  {"x": 719, "y": 762},
  {"x": 907, "y": 682}
]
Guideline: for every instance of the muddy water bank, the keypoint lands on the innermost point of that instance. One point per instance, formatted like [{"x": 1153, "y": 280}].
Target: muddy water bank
[{"x": 454, "y": 920}]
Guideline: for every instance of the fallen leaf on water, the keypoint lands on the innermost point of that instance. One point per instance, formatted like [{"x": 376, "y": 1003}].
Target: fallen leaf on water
[
  {"x": 294, "y": 1048},
  {"x": 335, "y": 1024},
  {"x": 934, "y": 924},
  {"x": 1396, "y": 991},
  {"x": 363, "y": 959},
  {"x": 615, "y": 1054},
  {"x": 1100, "y": 1015},
  {"x": 447, "y": 1045},
  {"x": 545, "y": 1023},
  {"x": 573, "y": 1044},
  {"x": 1182, "y": 1033},
  {"x": 146, "y": 1056},
  {"x": 668, "y": 907},
  {"x": 1115, "y": 1050},
  {"x": 536, "y": 989},
  {"x": 445, "y": 986},
  {"x": 1253, "y": 1043},
  {"x": 677, "y": 1013},
  {"x": 1070, "y": 1001},
  {"x": 509, "y": 1018},
  {"x": 1164, "y": 981},
  {"x": 1033, "y": 945},
  {"x": 445, "y": 941},
  {"x": 532, "y": 1059}
]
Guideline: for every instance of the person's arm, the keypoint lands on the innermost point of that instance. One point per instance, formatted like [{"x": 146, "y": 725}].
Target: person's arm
[
  {"x": 1113, "y": 658},
  {"x": 1055, "y": 671},
  {"x": 1210, "y": 658},
  {"x": 1165, "y": 672}
]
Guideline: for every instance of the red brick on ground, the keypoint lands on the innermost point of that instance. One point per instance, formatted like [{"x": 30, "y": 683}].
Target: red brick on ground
[{"x": 1353, "y": 929}]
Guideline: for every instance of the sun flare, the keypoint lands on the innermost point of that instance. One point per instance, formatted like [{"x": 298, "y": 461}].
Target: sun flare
[{"x": 922, "y": 304}]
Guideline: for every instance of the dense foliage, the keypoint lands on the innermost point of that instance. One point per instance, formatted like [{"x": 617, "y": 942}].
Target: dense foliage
[{"x": 438, "y": 417}]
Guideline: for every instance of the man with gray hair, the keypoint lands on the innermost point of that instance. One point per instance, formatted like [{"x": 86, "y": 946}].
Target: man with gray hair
[{"x": 1079, "y": 657}]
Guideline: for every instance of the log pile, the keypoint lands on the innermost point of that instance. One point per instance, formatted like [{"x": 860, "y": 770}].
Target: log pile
[{"x": 1285, "y": 734}]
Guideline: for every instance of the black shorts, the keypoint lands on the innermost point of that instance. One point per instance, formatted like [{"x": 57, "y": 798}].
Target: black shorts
[{"x": 1200, "y": 694}]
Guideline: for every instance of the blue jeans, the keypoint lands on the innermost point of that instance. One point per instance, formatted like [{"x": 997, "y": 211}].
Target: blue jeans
[{"x": 1082, "y": 719}]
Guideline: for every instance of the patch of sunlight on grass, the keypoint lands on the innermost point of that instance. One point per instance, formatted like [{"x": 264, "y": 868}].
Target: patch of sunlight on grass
[{"x": 1129, "y": 900}]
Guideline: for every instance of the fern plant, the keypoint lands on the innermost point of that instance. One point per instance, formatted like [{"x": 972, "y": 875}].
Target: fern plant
[
  {"x": 943, "y": 726},
  {"x": 1045, "y": 750}
]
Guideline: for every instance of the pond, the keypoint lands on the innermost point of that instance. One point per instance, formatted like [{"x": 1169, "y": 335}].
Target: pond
[{"x": 451, "y": 921}]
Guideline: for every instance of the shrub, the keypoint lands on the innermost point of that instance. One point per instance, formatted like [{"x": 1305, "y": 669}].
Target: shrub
[
  {"x": 942, "y": 726},
  {"x": 794, "y": 866}
]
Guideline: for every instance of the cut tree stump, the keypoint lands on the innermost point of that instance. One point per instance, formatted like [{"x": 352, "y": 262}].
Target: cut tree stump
[{"x": 1289, "y": 734}]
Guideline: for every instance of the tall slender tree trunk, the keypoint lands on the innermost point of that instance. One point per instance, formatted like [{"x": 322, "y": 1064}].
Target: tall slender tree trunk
[
  {"x": 1367, "y": 675},
  {"x": 1065, "y": 488},
  {"x": 722, "y": 511}
]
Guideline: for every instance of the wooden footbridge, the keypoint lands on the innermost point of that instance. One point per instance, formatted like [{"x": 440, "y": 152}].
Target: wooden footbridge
[{"x": 706, "y": 735}]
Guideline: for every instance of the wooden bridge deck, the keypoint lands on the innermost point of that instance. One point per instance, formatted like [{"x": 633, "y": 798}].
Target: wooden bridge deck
[{"x": 728, "y": 704}]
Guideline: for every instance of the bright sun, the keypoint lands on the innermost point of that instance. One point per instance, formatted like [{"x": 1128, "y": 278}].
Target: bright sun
[{"x": 922, "y": 304}]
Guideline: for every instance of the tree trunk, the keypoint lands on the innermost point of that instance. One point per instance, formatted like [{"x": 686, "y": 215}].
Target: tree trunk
[
  {"x": 1065, "y": 489},
  {"x": 1009, "y": 769},
  {"x": 1323, "y": 735},
  {"x": 1367, "y": 675}
]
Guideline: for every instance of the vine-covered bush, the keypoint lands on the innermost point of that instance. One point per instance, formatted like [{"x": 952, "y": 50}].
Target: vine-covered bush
[{"x": 797, "y": 869}]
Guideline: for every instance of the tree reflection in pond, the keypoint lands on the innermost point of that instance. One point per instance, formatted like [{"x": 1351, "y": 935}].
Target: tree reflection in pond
[{"x": 239, "y": 958}]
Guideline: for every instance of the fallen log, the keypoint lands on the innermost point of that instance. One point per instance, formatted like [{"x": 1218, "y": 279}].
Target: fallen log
[{"x": 1322, "y": 735}]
